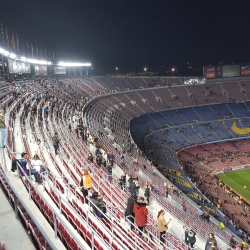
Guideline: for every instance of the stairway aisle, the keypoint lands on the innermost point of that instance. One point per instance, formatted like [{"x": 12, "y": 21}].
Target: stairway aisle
[{"x": 11, "y": 228}]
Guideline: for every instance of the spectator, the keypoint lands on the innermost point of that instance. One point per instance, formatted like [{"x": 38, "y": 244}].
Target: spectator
[
  {"x": 37, "y": 164},
  {"x": 109, "y": 169},
  {"x": 104, "y": 163},
  {"x": 122, "y": 158},
  {"x": 162, "y": 225},
  {"x": 184, "y": 206},
  {"x": 141, "y": 213},
  {"x": 2, "y": 126},
  {"x": 86, "y": 184},
  {"x": 111, "y": 158},
  {"x": 24, "y": 160},
  {"x": 206, "y": 217},
  {"x": 189, "y": 237},
  {"x": 137, "y": 184},
  {"x": 70, "y": 127},
  {"x": 237, "y": 247},
  {"x": 99, "y": 159},
  {"x": 95, "y": 141},
  {"x": 90, "y": 158},
  {"x": 166, "y": 188},
  {"x": 26, "y": 109},
  {"x": 244, "y": 244},
  {"x": 55, "y": 142},
  {"x": 129, "y": 210},
  {"x": 97, "y": 203},
  {"x": 210, "y": 241},
  {"x": 123, "y": 181},
  {"x": 200, "y": 212},
  {"x": 132, "y": 188},
  {"x": 34, "y": 111},
  {"x": 147, "y": 192},
  {"x": 232, "y": 242},
  {"x": 77, "y": 131},
  {"x": 36, "y": 148},
  {"x": 169, "y": 188},
  {"x": 222, "y": 226}
]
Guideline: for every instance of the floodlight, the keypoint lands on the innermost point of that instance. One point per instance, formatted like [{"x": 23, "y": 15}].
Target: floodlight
[
  {"x": 74, "y": 64},
  {"x": 6, "y": 53},
  {"x": 42, "y": 62},
  {"x": 13, "y": 56},
  {"x": 32, "y": 61},
  {"x": 24, "y": 59}
]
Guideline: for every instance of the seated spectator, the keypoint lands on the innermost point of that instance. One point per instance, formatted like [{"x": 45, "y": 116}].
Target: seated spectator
[
  {"x": 97, "y": 205},
  {"x": 200, "y": 212},
  {"x": 206, "y": 217},
  {"x": 37, "y": 164},
  {"x": 24, "y": 160}
]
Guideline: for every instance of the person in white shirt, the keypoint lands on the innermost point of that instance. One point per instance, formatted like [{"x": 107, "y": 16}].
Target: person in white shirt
[
  {"x": 36, "y": 149},
  {"x": 38, "y": 164}
]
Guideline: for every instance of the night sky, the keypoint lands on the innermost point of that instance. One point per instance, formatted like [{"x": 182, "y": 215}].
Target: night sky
[{"x": 134, "y": 34}]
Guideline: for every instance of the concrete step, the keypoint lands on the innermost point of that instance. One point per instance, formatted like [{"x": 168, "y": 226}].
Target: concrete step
[{"x": 11, "y": 228}]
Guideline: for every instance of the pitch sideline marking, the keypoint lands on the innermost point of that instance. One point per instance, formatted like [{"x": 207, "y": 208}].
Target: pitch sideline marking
[{"x": 237, "y": 184}]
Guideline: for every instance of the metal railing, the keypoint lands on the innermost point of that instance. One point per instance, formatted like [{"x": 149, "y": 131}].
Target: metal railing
[{"x": 18, "y": 198}]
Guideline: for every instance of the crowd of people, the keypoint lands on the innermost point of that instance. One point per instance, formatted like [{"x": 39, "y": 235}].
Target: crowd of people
[{"x": 136, "y": 211}]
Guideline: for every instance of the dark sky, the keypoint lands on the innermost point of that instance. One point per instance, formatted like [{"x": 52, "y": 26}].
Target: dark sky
[{"x": 134, "y": 34}]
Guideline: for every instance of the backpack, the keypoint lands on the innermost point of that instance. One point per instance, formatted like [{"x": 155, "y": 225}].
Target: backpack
[
  {"x": 14, "y": 165},
  {"x": 190, "y": 234}
]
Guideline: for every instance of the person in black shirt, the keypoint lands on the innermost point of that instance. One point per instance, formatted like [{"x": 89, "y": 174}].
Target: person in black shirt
[
  {"x": 129, "y": 210},
  {"x": 189, "y": 237}
]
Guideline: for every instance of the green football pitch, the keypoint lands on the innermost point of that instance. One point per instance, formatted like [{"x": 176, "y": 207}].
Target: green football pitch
[{"x": 237, "y": 179}]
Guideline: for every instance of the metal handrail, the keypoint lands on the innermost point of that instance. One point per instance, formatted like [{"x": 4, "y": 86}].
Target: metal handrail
[{"x": 17, "y": 197}]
